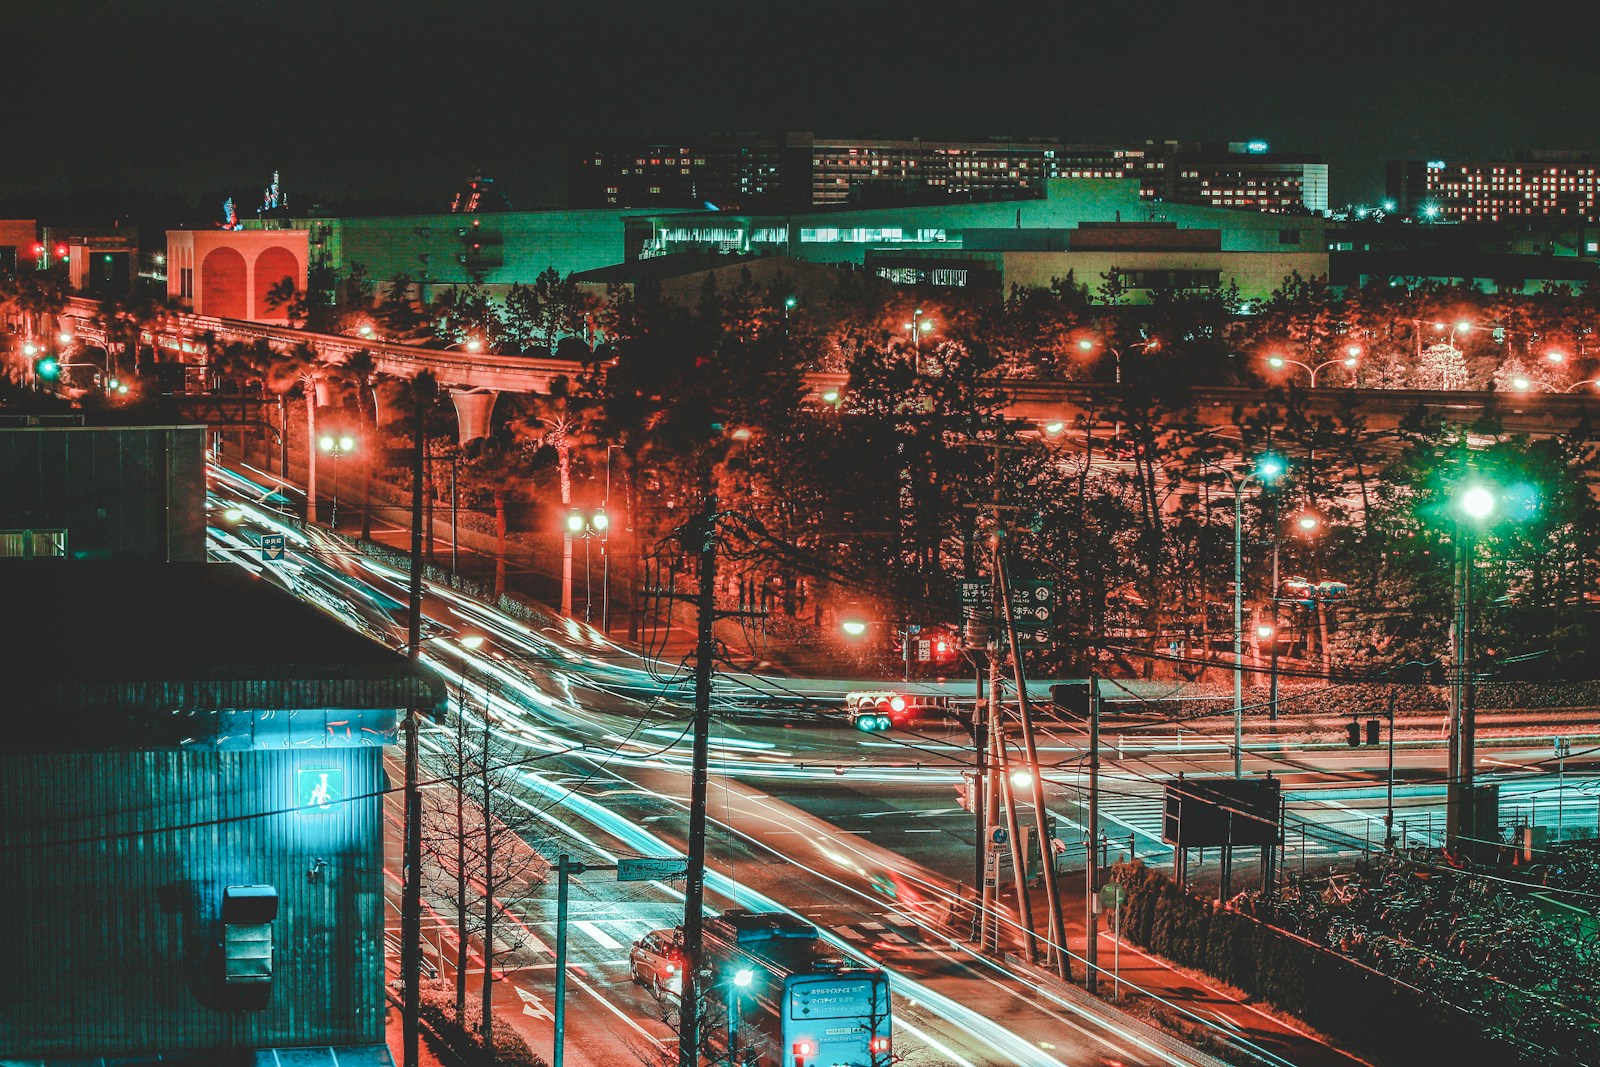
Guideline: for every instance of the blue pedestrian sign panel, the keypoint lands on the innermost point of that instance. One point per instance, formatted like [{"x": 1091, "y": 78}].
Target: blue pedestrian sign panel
[
  {"x": 319, "y": 789},
  {"x": 998, "y": 835},
  {"x": 272, "y": 547}
]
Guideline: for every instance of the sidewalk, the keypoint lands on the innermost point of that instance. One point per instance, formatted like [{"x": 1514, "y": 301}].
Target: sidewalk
[{"x": 1166, "y": 1002}]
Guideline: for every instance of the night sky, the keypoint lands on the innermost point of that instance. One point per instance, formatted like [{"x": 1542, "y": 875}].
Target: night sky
[{"x": 356, "y": 99}]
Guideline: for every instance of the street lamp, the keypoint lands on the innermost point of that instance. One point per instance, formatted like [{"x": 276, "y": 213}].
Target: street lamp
[
  {"x": 1351, "y": 359},
  {"x": 605, "y": 546},
  {"x": 471, "y": 344},
  {"x": 588, "y": 525},
  {"x": 855, "y": 628},
  {"x": 1473, "y": 502},
  {"x": 336, "y": 447},
  {"x": 916, "y": 328},
  {"x": 1087, "y": 345},
  {"x": 1307, "y": 523},
  {"x": 742, "y": 980},
  {"x": 1269, "y": 467}
]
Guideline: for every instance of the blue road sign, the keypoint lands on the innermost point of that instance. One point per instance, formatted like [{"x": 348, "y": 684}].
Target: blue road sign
[{"x": 272, "y": 547}]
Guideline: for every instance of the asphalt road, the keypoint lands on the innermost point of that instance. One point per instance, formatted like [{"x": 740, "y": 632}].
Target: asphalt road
[{"x": 858, "y": 832}]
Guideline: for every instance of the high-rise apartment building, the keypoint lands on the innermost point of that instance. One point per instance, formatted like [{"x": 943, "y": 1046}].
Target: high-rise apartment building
[
  {"x": 1531, "y": 184},
  {"x": 798, "y": 170}
]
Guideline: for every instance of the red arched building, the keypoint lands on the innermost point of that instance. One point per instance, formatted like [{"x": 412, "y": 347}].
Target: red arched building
[{"x": 229, "y": 274}]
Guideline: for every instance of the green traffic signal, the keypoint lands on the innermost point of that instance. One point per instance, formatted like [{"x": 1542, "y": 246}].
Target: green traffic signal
[{"x": 47, "y": 368}]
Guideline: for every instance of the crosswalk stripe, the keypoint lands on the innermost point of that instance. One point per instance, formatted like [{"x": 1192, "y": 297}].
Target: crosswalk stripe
[{"x": 594, "y": 931}]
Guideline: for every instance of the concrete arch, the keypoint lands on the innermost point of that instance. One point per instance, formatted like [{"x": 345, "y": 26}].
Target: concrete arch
[
  {"x": 223, "y": 285},
  {"x": 273, "y": 265}
]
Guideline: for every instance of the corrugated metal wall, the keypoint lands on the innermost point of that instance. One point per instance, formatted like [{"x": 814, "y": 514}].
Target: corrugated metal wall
[
  {"x": 112, "y": 867},
  {"x": 120, "y": 492}
]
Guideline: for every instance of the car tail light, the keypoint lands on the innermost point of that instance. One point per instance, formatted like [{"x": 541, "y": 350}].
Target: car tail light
[
  {"x": 804, "y": 1047},
  {"x": 879, "y": 1044}
]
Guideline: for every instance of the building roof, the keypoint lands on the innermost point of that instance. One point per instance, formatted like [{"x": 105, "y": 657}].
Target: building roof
[{"x": 195, "y": 637}]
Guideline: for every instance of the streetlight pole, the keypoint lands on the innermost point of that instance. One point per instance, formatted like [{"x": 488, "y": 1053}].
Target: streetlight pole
[
  {"x": 1350, "y": 360},
  {"x": 1474, "y": 503},
  {"x": 605, "y": 539},
  {"x": 1268, "y": 468},
  {"x": 917, "y": 327}
]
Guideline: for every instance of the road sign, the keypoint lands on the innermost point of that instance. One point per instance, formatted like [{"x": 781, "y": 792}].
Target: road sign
[
  {"x": 998, "y": 836},
  {"x": 1112, "y": 894},
  {"x": 974, "y": 593},
  {"x": 651, "y": 868},
  {"x": 272, "y": 547},
  {"x": 991, "y": 869},
  {"x": 1033, "y": 603}
]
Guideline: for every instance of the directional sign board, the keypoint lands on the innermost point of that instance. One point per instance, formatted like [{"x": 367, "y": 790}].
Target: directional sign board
[
  {"x": 1033, "y": 603},
  {"x": 272, "y": 547},
  {"x": 1033, "y": 600},
  {"x": 651, "y": 868}
]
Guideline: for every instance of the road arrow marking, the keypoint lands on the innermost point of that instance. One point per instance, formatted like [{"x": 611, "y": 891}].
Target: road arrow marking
[{"x": 532, "y": 1005}]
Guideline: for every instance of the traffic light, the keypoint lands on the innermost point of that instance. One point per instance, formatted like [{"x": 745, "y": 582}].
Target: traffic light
[
  {"x": 1372, "y": 731},
  {"x": 1072, "y": 698},
  {"x": 47, "y": 368},
  {"x": 1354, "y": 732}
]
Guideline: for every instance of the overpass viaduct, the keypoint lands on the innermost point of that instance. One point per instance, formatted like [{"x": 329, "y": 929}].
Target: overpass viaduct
[{"x": 474, "y": 379}]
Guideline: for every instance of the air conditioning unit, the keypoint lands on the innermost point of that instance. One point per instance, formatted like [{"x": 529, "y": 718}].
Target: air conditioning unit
[{"x": 247, "y": 915}]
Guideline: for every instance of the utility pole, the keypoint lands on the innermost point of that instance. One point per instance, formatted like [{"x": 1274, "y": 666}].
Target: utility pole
[
  {"x": 1047, "y": 861},
  {"x": 1388, "y": 810},
  {"x": 1091, "y": 870},
  {"x": 695, "y": 891},
  {"x": 1002, "y": 770},
  {"x": 978, "y": 636},
  {"x": 411, "y": 897},
  {"x": 991, "y": 809}
]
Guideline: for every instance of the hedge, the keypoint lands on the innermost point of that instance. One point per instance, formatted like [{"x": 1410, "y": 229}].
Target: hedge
[
  {"x": 1369, "y": 1012},
  {"x": 460, "y": 1036}
]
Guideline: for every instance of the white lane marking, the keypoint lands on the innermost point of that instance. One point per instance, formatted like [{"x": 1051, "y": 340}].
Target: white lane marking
[
  {"x": 928, "y": 1039},
  {"x": 594, "y": 931}
]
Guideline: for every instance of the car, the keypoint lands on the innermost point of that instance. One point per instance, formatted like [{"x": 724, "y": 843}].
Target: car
[{"x": 656, "y": 962}]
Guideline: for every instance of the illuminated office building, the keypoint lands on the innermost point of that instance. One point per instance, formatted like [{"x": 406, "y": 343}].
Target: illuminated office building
[
  {"x": 1546, "y": 185},
  {"x": 799, "y": 170}
]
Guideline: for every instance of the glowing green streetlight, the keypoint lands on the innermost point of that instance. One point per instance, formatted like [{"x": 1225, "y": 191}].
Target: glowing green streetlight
[
  {"x": 1476, "y": 501},
  {"x": 853, "y": 627}
]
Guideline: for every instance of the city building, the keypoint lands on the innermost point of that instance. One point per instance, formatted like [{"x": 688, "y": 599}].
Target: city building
[
  {"x": 1128, "y": 261},
  {"x": 76, "y": 493},
  {"x": 847, "y": 234},
  {"x": 795, "y": 170},
  {"x": 492, "y": 249},
  {"x": 101, "y": 261},
  {"x": 19, "y": 244},
  {"x": 1519, "y": 255},
  {"x": 1529, "y": 185},
  {"x": 194, "y": 832},
  {"x": 233, "y": 274}
]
